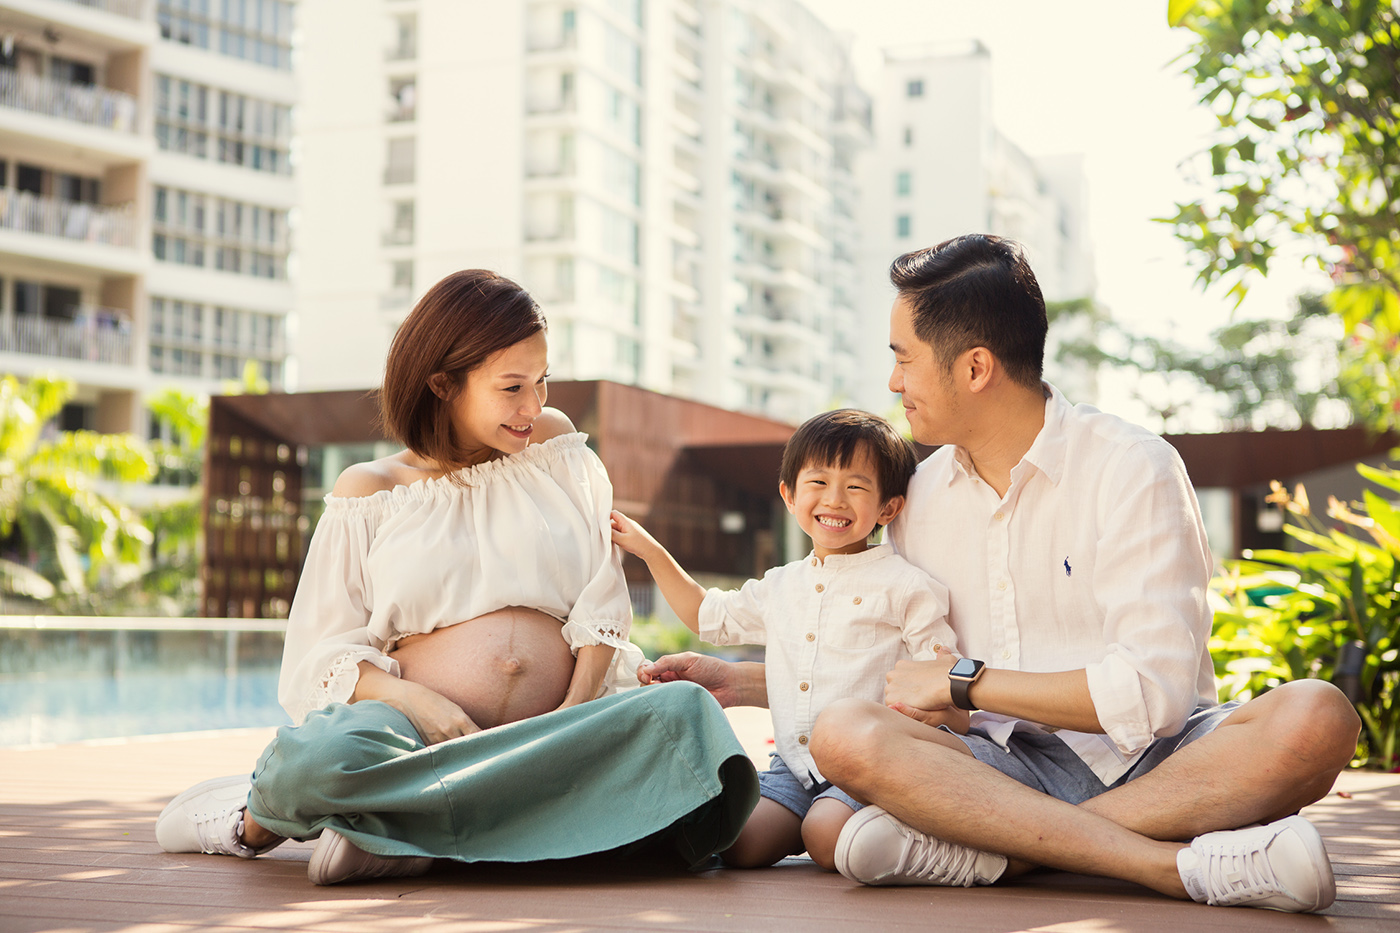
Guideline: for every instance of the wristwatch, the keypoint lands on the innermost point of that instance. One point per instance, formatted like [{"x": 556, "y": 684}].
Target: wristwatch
[{"x": 963, "y": 675}]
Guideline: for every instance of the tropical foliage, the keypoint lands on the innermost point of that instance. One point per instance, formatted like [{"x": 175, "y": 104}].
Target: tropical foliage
[
  {"x": 1306, "y": 154},
  {"x": 61, "y": 531},
  {"x": 1332, "y": 611}
]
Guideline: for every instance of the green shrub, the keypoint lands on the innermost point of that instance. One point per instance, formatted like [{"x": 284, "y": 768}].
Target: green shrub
[{"x": 1290, "y": 615}]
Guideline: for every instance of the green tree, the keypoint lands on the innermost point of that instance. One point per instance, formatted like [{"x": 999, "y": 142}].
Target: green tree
[
  {"x": 1306, "y": 151},
  {"x": 60, "y": 530}
]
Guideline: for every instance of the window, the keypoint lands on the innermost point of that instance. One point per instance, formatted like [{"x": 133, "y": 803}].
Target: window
[
  {"x": 915, "y": 88},
  {"x": 401, "y": 277},
  {"x": 902, "y": 226},
  {"x": 258, "y": 31},
  {"x": 244, "y": 238},
  {"x": 903, "y": 183},
  {"x": 246, "y": 131},
  {"x": 180, "y": 342},
  {"x": 404, "y": 39},
  {"x": 908, "y": 136},
  {"x": 401, "y": 223},
  {"x": 403, "y": 104},
  {"x": 399, "y": 164}
]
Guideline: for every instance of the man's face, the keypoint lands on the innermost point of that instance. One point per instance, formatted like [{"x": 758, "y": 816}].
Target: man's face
[{"x": 925, "y": 387}]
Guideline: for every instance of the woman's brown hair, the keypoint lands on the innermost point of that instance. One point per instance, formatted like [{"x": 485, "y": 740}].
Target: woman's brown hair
[{"x": 455, "y": 327}]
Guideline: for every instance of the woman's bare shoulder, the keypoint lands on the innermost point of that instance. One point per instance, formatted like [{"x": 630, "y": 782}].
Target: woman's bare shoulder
[
  {"x": 365, "y": 479},
  {"x": 551, "y": 423}
]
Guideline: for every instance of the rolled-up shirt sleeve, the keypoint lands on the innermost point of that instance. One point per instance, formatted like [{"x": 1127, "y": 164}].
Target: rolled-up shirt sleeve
[
  {"x": 735, "y": 617},
  {"x": 328, "y": 625},
  {"x": 1152, "y": 572}
]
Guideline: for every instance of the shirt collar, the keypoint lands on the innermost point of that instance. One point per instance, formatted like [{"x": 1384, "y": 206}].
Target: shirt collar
[
  {"x": 1047, "y": 451},
  {"x": 835, "y": 561}
]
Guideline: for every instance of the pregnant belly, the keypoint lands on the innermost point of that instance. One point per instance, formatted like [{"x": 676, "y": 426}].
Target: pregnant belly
[{"x": 501, "y": 667}]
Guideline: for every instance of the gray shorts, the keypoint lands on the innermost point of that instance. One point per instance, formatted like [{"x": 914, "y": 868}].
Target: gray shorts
[
  {"x": 1044, "y": 762},
  {"x": 782, "y": 786}
]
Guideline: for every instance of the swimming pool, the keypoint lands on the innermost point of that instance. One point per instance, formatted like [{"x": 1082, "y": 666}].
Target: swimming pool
[{"x": 65, "y": 681}]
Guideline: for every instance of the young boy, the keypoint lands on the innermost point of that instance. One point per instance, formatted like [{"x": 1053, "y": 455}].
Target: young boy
[{"x": 833, "y": 623}]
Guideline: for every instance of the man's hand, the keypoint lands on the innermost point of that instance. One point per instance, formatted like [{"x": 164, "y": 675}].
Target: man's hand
[
  {"x": 921, "y": 684},
  {"x": 730, "y": 684}
]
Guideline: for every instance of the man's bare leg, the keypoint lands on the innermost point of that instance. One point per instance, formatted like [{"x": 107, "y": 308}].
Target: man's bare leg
[{"x": 929, "y": 780}]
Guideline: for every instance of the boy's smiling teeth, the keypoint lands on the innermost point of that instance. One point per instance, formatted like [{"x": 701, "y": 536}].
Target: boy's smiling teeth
[{"x": 832, "y": 522}]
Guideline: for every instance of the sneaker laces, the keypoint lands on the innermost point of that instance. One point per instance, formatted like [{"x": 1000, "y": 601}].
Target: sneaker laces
[
  {"x": 220, "y": 832},
  {"x": 935, "y": 860},
  {"x": 1236, "y": 873}
]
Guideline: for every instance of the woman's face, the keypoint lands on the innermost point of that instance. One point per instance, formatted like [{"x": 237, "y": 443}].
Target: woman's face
[{"x": 500, "y": 400}]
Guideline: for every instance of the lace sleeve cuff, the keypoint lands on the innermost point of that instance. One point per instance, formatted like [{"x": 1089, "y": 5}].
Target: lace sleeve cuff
[
  {"x": 337, "y": 681},
  {"x": 596, "y": 632}
]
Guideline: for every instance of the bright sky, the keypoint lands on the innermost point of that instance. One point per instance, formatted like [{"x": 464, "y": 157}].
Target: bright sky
[{"x": 1093, "y": 77}]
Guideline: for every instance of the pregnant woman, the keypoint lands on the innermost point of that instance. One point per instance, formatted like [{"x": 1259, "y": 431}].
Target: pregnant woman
[{"x": 456, "y": 657}]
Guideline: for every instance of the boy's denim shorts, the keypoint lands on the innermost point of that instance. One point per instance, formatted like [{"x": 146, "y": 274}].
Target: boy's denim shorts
[
  {"x": 782, "y": 786},
  {"x": 1044, "y": 762}
]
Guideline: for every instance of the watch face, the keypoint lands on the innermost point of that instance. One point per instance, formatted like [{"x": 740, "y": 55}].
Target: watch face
[{"x": 965, "y": 667}]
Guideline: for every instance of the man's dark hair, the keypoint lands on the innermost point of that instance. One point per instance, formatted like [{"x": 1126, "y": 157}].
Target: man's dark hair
[
  {"x": 834, "y": 438},
  {"x": 976, "y": 290}
]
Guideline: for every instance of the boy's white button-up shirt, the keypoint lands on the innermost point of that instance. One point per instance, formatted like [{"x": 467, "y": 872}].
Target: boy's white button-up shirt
[
  {"x": 1095, "y": 559},
  {"x": 832, "y": 629}
]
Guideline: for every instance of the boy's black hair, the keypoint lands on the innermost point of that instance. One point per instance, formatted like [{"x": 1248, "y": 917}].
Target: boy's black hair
[{"x": 833, "y": 438}]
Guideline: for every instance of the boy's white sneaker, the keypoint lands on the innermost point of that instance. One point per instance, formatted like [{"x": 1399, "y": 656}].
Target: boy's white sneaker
[
  {"x": 336, "y": 860},
  {"x": 208, "y": 817},
  {"x": 876, "y": 848},
  {"x": 1280, "y": 866}
]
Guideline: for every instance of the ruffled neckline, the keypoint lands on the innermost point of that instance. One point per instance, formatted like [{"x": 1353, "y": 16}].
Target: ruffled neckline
[{"x": 467, "y": 478}]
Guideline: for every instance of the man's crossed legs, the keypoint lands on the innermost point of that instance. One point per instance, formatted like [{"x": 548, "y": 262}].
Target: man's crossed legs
[{"x": 1266, "y": 760}]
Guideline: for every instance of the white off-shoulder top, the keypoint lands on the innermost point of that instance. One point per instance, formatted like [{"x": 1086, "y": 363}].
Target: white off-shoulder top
[{"x": 528, "y": 530}]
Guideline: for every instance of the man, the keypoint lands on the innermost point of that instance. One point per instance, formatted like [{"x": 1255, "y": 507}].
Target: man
[{"x": 1077, "y": 566}]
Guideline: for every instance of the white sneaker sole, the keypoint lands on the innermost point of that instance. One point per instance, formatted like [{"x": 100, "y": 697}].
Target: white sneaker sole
[{"x": 848, "y": 832}]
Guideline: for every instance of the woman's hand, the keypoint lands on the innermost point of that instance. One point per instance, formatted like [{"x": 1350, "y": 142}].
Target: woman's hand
[{"x": 436, "y": 718}]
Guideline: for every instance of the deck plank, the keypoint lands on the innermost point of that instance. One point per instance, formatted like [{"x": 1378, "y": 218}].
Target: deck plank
[{"x": 78, "y": 852}]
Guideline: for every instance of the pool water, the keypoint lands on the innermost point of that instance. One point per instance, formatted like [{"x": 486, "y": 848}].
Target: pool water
[{"x": 62, "y": 686}]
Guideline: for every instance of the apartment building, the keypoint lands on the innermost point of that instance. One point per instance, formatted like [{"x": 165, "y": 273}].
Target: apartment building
[
  {"x": 145, "y": 193},
  {"x": 672, "y": 179},
  {"x": 940, "y": 167}
]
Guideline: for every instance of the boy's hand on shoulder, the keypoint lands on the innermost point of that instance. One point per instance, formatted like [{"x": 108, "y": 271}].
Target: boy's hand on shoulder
[{"x": 632, "y": 537}]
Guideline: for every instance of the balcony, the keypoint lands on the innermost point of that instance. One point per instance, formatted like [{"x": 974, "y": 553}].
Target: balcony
[
  {"x": 136, "y": 9},
  {"x": 80, "y": 103},
  {"x": 97, "y": 335},
  {"x": 90, "y": 223}
]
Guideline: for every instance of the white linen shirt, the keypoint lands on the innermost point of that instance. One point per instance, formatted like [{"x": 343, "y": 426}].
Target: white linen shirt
[
  {"x": 833, "y": 629},
  {"x": 1095, "y": 559},
  {"x": 531, "y": 530}
]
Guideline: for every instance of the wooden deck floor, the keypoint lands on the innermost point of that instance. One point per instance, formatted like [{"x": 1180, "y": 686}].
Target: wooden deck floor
[{"x": 78, "y": 852}]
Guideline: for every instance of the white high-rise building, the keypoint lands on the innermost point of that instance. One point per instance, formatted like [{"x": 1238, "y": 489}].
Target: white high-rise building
[
  {"x": 941, "y": 168},
  {"x": 145, "y": 189},
  {"x": 672, "y": 179}
]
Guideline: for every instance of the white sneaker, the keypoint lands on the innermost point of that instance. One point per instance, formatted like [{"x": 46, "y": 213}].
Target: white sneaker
[
  {"x": 336, "y": 860},
  {"x": 1281, "y": 866},
  {"x": 876, "y": 848},
  {"x": 209, "y": 818}
]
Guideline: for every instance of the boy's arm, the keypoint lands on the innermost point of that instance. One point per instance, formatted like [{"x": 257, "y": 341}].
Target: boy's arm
[{"x": 682, "y": 593}]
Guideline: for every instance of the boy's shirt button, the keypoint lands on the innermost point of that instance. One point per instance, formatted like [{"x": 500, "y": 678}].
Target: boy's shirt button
[
  {"x": 856, "y": 600},
  {"x": 801, "y": 740},
  {"x": 820, "y": 587},
  {"x": 802, "y": 686},
  {"x": 811, "y": 636}
]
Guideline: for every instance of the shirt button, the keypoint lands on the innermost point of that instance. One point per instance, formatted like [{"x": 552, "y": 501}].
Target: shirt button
[
  {"x": 820, "y": 587},
  {"x": 999, "y": 516},
  {"x": 1001, "y": 584},
  {"x": 811, "y": 636},
  {"x": 801, "y": 740},
  {"x": 856, "y": 600},
  {"x": 937, "y": 647},
  {"x": 815, "y": 562},
  {"x": 1005, "y": 653},
  {"x": 803, "y": 686}
]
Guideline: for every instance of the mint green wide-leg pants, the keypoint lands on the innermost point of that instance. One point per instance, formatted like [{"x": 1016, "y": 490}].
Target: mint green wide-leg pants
[{"x": 654, "y": 767}]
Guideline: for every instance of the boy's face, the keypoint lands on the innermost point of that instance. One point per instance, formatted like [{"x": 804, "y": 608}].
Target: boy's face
[{"x": 838, "y": 507}]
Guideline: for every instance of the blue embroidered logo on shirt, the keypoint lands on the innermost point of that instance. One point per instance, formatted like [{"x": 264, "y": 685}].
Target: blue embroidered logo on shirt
[{"x": 1067, "y": 570}]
